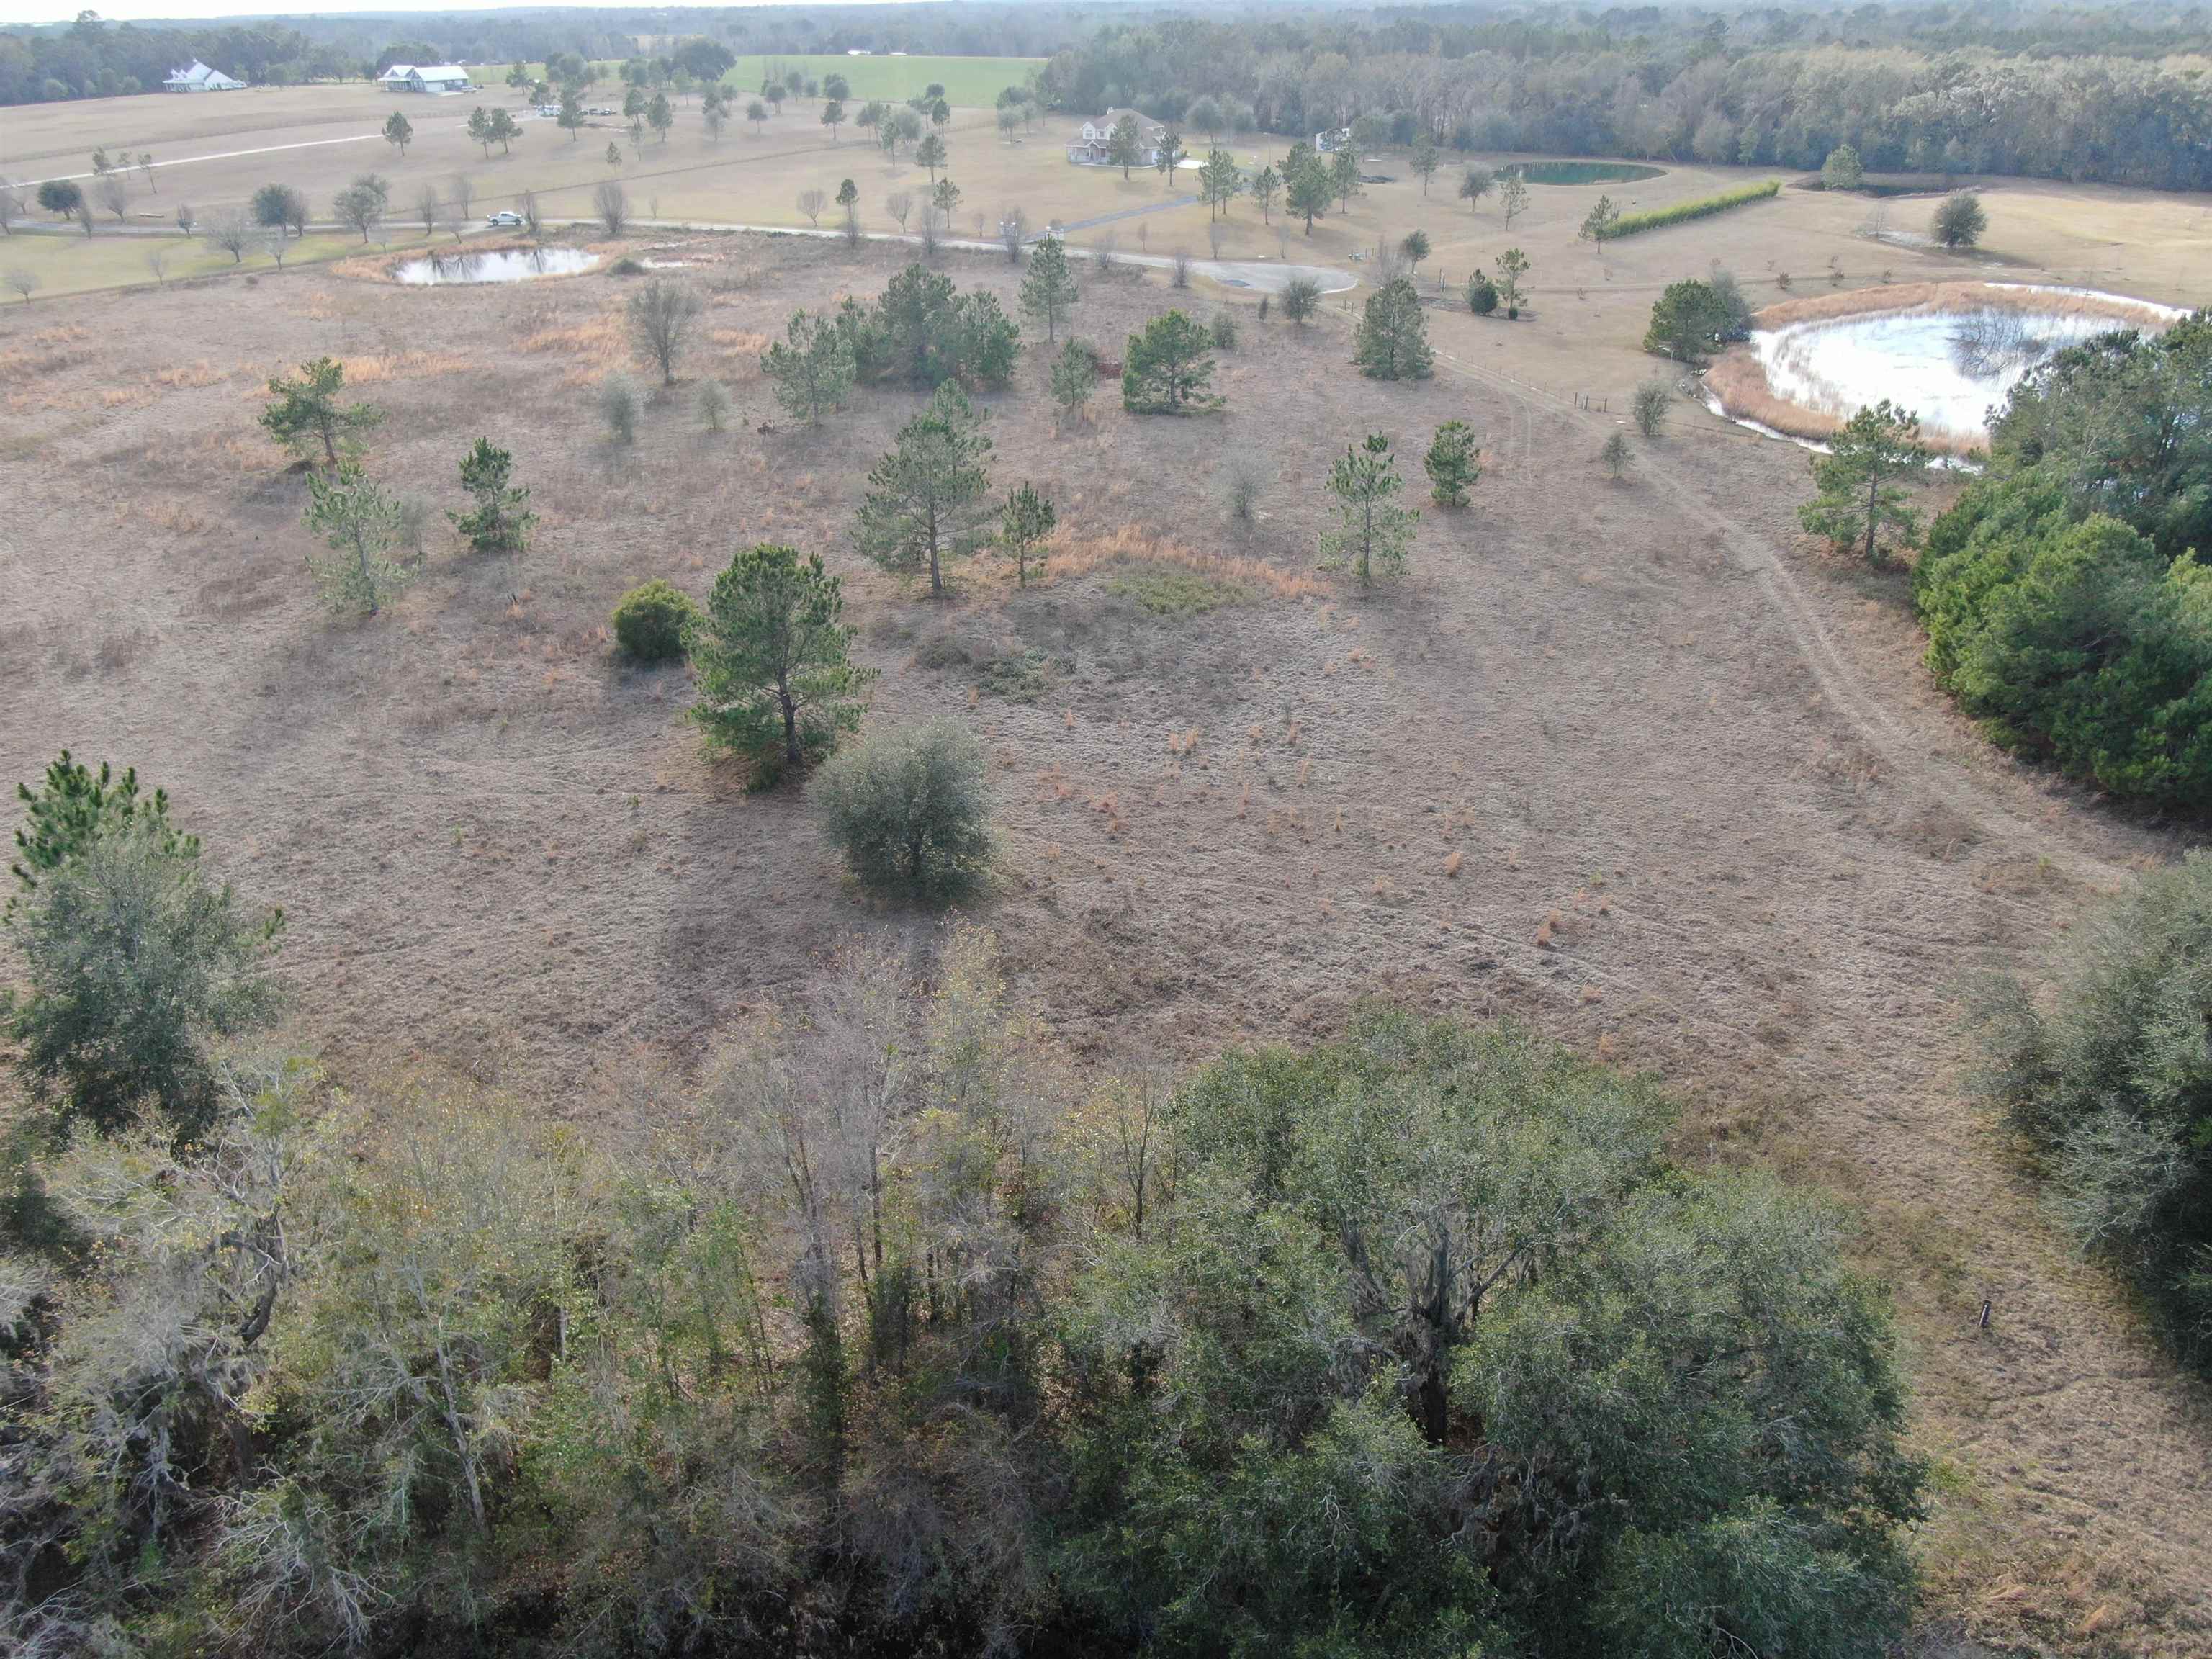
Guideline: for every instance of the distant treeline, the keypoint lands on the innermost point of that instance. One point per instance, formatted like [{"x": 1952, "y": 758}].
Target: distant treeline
[{"x": 1762, "y": 88}]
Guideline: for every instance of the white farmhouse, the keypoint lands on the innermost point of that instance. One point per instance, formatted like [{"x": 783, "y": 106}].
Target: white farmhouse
[
  {"x": 198, "y": 77},
  {"x": 1093, "y": 144}
]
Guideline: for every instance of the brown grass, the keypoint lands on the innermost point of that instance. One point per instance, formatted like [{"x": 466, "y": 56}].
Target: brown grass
[
  {"x": 401, "y": 365},
  {"x": 1072, "y": 554},
  {"x": 1952, "y": 296}
]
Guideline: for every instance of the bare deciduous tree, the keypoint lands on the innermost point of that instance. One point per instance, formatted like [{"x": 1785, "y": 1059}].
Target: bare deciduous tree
[
  {"x": 462, "y": 190},
  {"x": 25, "y": 283},
  {"x": 810, "y": 202},
  {"x": 228, "y": 231},
  {"x": 662, "y": 317},
  {"x": 611, "y": 203},
  {"x": 114, "y": 190},
  {"x": 899, "y": 204}
]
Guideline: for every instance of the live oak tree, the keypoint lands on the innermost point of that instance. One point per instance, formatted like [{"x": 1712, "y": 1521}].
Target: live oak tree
[
  {"x": 1842, "y": 170},
  {"x": 499, "y": 520},
  {"x": 1962, "y": 219},
  {"x": 398, "y": 133},
  {"x": 1024, "y": 522},
  {"x": 1858, "y": 479},
  {"x": 770, "y": 656},
  {"x": 1474, "y": 184},
  {"x": 911, "y": 810},
  {"x": 1372, "y": 531},
  {"x": 1453, "y": 463},
  {"x": 1166, "y": 367},
  {"x": 360, "y": 522},
  {"x": 811, "y": 367},
  {"x": 1049, "y": 288},
  {"x": 1414, "y": 246},
  {"x": 1301, "y": 299},
  {"x": 924, "y": 497},
  {"x": 662, "y": 315},
  {"x": 280, "y": 206},
  {"x": 305, "y": 416},
  {"x": 1392, "y": 341}
]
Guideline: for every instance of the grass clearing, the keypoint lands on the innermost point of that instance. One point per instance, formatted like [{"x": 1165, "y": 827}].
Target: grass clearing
[{"x": 1173, "y": 590}]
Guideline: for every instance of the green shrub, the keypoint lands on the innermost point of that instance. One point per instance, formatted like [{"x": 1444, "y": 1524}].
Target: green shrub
[
  {"x": 626, "y": 266},
  {"x": 1482, "y": 294},
  {"x": 2108, "y": 1083},
  {"x": 910, "y": 809},
  {"x": 1681, "y": 213},
  {"x": 651, "y": 621},
  {"x": 1224, "y": 331}
]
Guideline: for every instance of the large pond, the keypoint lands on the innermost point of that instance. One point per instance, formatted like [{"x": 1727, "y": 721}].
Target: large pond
[
  {"x": 1950, "y": 366},
  {"x": 515, "y": 264}
]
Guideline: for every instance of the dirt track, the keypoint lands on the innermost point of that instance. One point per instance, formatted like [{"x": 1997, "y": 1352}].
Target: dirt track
[{"x": 1709, "y": 816}]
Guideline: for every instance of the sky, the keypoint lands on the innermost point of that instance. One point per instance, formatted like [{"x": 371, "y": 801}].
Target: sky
[{"x": 47, "y": 11}]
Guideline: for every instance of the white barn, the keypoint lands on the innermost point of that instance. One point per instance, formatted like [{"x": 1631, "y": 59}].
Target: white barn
[
  {"x": 433, "y": 78},
  {"x": 197, "y": 77}
]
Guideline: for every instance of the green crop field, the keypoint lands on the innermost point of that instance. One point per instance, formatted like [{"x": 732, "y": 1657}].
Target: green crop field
[{"x": 970, "y": 82}]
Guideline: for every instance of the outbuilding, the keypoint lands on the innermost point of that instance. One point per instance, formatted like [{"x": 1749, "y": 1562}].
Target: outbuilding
[{"x": 198, "y": 77}]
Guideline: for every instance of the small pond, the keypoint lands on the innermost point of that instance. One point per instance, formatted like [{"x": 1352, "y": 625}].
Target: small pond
[
  {"x": 515, "y": 264},
  {"x": 1949, "y": 367},
  {"x": 1583, "y": 172}
]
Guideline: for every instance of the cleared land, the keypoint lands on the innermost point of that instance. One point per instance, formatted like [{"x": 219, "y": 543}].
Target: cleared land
[{"x": 1630, "y": 761}]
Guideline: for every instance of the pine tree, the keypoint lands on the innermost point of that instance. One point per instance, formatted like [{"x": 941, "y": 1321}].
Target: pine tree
[
  {"x": 306, "y": 415},
  {"x": 1049, "y": 288},
  {"x": 498, "y": 522},
  {"x": 769, "y": 652},
  {"x": 1453, "y": 463},
  {"x": 1393, "y": 342},
  {"x": 922, "y": 504},
  {"x": 1306, "y": 189},
  {"x": 73, "y": 805},
  {"x": 361, "y": 521},
  {"x": 1166, "y": 369},
  {"x": 1023, "y": 523},
  {"x": 1425, "y": 160},
  {"x": 1857, "y": 496},
  {"x": 812, "y": 366},
  {"x": 1218, "y": 181},
  {"x": 1344, "y": 177},
  {"x": 1372, "y": 531},
  {"x": 398, "y": 133},
  {"x": 1075, "y": 378}
]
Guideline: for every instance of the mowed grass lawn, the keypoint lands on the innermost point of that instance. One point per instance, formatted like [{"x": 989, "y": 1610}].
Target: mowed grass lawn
[
  {"x": 973, "y": 82},
  {"x": 76, "y": 264}
]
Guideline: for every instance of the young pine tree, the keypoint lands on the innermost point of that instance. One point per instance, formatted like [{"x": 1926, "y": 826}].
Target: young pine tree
[
  {"x": 1023, "y": 523},
  {"x": 811, "y": 367},
  {"x": 1859, "y": 495},
  {"x": 923, "y": 496},
  {"x": 770, "y": 656},
  {"x": 499, "y": 522},
  {"x": 305, "y": 416},
  {"x": 1453, "y": 463},
  {"x": 1393, "y": 343},
  {"x": 359, "y": 520},
  {"x": 1372, "y": 531},
  {"x": 1166, "y": 367},
  {"x": 1075, "y": 378},
  {"x": 1049, "y": 288}
]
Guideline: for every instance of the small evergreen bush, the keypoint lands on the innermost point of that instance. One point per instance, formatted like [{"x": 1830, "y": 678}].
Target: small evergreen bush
[
  {"x": 911, "y": 810},
  {"x": 652, "y": 620}
]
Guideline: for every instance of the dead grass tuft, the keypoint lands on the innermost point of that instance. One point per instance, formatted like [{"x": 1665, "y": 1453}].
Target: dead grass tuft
[
  {"x": 197, "y": 373},
  {"x": 1072, "y": 556},
  {"x": 593, "y": 348},
  {"x": 401, "y": 365}
]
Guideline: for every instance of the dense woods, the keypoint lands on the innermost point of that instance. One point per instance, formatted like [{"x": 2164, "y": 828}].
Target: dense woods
[{"x": 889, "y": 1331}]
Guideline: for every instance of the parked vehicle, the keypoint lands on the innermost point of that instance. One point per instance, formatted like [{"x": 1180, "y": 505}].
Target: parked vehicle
[{"x": 505, "y": 220}]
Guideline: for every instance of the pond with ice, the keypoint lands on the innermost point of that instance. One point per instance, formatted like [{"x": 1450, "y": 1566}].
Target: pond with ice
[
  {"x": 1950, "y": 366},
  {"x": 515, "y": 264}
]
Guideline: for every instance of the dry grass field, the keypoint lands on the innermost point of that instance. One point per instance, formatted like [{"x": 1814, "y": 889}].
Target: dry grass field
[{"x": 1630, "y": 761}]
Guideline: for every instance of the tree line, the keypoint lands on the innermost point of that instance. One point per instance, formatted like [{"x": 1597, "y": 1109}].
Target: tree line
[{"x": 1684, "y": 87}]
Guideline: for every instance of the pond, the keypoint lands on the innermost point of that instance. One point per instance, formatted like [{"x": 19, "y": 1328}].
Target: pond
[
  {"x": 513, "y": 264},
  {"x": 1950, "y": 366},
  {"x": 1583, "y": 172}
]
